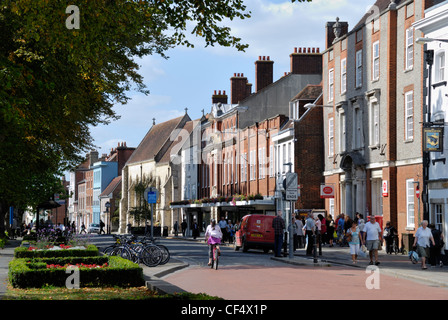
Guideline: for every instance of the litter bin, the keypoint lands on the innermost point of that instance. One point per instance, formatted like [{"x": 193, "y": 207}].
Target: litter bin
[
  {"x": 165, "y": 231},
  {"x": 407, "y": 242}
]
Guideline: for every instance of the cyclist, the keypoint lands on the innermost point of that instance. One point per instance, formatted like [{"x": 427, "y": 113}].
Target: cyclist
[{"x": 213, "y": 236}]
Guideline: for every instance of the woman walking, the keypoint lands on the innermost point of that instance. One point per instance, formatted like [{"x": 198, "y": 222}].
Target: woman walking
[{"x": 354, "y": 240}]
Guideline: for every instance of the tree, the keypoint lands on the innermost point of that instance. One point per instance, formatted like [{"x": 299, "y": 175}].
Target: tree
[{"x": 61, "y": 71}]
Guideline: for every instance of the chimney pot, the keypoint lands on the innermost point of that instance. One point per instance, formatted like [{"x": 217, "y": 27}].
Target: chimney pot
[{"x": 295, "y": 50}]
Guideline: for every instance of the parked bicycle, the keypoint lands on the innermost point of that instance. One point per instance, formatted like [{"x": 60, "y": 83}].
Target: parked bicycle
[{"x": 138, "y": 250}]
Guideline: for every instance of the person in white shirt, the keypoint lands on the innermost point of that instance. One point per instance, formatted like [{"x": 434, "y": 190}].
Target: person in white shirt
[
  {"x": 372, "y": 237},
  {"x": 223, "y": 225},
  {"x": 421, "y": 240},
  {"x": 213, "y": 236}
]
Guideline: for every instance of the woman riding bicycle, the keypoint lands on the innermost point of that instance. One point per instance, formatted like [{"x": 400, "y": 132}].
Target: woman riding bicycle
[{"x": 213, "y": 236}]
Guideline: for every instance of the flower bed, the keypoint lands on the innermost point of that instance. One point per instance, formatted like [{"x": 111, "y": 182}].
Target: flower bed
[
  {"x": 56, "y": 251},
  {"x": 100, "y": 271}
]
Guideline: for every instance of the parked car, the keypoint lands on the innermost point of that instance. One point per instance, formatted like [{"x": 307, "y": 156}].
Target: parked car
[
  {"x": 94, "y": 228},
  {"x": 255, "y": 232}
]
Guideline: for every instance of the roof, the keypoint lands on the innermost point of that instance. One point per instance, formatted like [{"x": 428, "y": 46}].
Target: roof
[
  {"x": 111, "y": 187},
  {"x": 156, "y": 139},
  {"x": 378, "y": 7},
  {"x": 310, "y": 92},
  {"x": 177, "y": 141}
]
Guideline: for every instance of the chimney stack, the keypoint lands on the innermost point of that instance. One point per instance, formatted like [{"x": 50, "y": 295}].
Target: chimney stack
[
  {"x": 306, "y": 61},
  {"x": 240, "y": 89},
  {"x": 218, "y": 97},
  {"x": 264, "y": 72}
]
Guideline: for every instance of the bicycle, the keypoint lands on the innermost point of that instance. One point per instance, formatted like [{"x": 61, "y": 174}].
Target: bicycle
[
  {"x": 137, "y": 251},
  {"x": 215, "y": 257}
]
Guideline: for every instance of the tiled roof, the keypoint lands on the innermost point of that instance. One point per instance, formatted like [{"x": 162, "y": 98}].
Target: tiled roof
[
  {"x": 111, "y": 187},
  {"x": 156, "y": 138},
  {"x": 178, "y": 141},
  {"x": 310, "y": 92}
]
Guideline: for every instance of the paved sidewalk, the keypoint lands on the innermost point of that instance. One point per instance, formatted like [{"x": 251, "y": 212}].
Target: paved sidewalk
[{"x": 396, "y": 265}]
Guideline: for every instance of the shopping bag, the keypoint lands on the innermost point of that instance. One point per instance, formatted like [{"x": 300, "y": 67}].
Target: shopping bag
[{"x": 413, "y": 256}]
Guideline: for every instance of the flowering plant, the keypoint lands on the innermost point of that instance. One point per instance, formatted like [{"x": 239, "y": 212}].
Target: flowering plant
[{"x": 79, "y": 265}]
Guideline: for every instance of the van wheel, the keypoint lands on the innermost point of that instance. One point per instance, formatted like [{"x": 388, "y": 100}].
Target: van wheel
[
  {"x": 235, "y": 247},
  {"x": 265, "y": 250}
]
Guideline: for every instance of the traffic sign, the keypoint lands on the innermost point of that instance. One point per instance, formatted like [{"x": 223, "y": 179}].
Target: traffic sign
[
  {"x": 151, "y": 195},
  {"x": 291, "y": 195}
]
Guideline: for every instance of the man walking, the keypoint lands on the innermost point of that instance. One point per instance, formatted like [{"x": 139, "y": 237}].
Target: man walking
[
  {"x": 372, "y": 237},
  {"x": 279, "y": 225},
  {"x": 309, "y": 231}
]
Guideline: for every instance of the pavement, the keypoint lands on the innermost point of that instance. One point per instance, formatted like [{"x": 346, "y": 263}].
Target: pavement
[{"x": 395, "y": 265}]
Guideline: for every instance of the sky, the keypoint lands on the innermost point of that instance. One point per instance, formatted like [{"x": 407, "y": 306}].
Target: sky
[{"x": 189, "y": 77}]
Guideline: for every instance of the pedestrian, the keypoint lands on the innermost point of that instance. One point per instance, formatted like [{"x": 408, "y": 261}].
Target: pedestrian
[
  {"x": 361, "y": 224},
  {"x": 223, "y": 225},
  {"x": 278, "y": 224},
  {"x": 310, "y": 233},
  {"x": 83, "y": 228},
  {"x": 195, "y": 229},
  {"x": 340, "y": 228},
  {"x": 330, "y": 231},
  {"x": 230, "y": 230},
  {"x": 388, "y": 234},
  {"x": 102, "y": 227},
  {"x": 422, "y": 240},
  {"x": 184, "y": 227},
  {"x": 372, "y": 238},
  {"x": 176, "y": 228},
  {"x": 323, "y": 228},
  {"x": 435, "y": 250},
  {"x": 299, "y": 230},
  {"x": 354, "y": 241}
]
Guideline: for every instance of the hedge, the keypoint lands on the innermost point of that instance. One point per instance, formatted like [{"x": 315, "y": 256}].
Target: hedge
[
  {"x": 34, "y": 274},
  {"x": 24, "y": 252}
]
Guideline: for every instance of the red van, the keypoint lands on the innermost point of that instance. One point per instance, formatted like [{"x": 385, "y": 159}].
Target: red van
[{"x": 255, "y": 232}]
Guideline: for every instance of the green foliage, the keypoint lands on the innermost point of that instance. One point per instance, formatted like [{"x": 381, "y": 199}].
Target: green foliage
[{"x": 120, "y": 273}]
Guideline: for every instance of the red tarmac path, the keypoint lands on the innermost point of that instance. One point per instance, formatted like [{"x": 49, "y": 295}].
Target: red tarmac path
[{"x": 300, "y": 283}]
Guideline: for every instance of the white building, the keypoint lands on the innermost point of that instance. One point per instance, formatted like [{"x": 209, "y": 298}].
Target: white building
[{"x": 435, "y": 28}]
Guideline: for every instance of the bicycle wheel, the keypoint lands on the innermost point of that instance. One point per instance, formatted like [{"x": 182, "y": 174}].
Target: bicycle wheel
[
  {"x": 108, "y": 250},
  {"x": 165, "y": 254},
  {"x": 122, "y": 252},
  {"x": 151, "y": 255},
  {"x": 215, "y": 257}
]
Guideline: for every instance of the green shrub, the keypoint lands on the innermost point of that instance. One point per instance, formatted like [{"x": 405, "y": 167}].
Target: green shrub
[{"x": 120, "y": 273}]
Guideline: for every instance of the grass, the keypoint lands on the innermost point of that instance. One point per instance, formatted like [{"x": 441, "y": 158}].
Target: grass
[{"x": 134, "y": 293}]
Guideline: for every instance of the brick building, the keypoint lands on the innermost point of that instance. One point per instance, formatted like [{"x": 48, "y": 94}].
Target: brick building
[{"x": 372, "y": 81}]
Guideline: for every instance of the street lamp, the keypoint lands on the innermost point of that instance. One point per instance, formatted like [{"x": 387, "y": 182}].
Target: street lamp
[
  {"x": 312, "y": 105},
  {"x": 426, "y": 40}
]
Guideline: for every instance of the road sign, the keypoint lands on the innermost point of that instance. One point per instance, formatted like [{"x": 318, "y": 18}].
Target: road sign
[
  {"x": 291, "y": 195},
  {"x": 291, "y": 181},
  {"x": 151, "y": 195}
]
